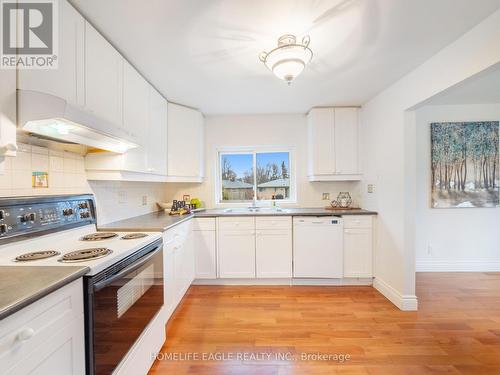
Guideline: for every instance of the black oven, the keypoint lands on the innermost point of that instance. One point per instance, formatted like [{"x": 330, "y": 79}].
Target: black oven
[{"x": 120, "y": 302}]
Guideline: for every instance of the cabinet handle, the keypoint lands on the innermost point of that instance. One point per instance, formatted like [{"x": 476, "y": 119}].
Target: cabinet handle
[{"x": 25, "y": 334}]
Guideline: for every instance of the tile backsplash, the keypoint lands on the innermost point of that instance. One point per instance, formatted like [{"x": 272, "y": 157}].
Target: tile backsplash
[
  {"x": 66, "y": 175},
  {"x": 66, "y": 172},
  {"x": 117, "y": 200}
]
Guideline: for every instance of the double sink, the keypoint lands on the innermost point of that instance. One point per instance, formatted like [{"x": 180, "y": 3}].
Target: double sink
[{"x": 249, "y": 210}]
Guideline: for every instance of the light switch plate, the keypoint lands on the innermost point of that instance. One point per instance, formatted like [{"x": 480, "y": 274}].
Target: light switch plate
[
  {"x": 144, "y": 200},
  {"x": 371, "y": 188}
]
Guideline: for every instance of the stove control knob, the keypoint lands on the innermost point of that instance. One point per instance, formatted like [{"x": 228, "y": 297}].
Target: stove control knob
[
  {"x": 2, "y": 214},
  {"x": 3, "y": 229},
  {"x": 32, "y": 216},
  {"x": 25, "y": 218},
  {"x": 68, "y": 212},
  {"x": 83, "y": 205}
]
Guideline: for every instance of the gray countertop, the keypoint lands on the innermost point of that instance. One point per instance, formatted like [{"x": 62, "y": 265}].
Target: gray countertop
[
  {"x": 161, "y": 221},
  {"x": 281, "y": 212},
  {"x": 154, "y": 222},
  {"x": 23, "y": 285}
]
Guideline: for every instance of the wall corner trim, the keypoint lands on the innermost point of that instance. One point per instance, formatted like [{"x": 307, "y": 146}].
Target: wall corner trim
[{"x": 403, "y": 302}]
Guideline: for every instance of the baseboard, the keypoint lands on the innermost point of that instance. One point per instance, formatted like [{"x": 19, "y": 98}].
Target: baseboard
[
  {"x": 287, "y": 281},
  {"x": 403, "y": 302},
  {"x": 482, "y": 265}
]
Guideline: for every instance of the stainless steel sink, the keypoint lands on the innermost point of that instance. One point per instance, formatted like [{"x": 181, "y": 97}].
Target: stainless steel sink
[{"x": 250, "y": 210}]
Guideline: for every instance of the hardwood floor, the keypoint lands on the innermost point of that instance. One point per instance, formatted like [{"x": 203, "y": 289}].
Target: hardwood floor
[{"x": 455, "y": 331}]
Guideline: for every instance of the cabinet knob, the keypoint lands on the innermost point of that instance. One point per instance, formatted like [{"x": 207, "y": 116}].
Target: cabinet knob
[{"x": 25, "y": 334}]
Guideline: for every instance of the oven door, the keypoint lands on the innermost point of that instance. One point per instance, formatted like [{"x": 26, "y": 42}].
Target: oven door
[{"x": 121, "y": 302}]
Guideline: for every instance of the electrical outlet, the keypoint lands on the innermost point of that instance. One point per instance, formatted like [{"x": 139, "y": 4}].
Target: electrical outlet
[
  {"x": 326, "y": 196},
  {"x": 371, "y": 188},
  {"x": 122, "y": 197},
  {"x": 429, "y": 250},
  {"x": 144, "y": 200}
]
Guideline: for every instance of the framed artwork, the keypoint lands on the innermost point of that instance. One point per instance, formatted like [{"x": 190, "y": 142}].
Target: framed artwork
[{"x": 464, "y": 164}]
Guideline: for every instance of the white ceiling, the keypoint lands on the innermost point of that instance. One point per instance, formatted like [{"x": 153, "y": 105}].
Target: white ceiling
[
  {"x": 483, "y": 88},
  {"x": 204, "y": 53}
]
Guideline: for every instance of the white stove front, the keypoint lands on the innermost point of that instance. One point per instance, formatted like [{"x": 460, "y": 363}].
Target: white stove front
[{"x": 70, "y": 240}]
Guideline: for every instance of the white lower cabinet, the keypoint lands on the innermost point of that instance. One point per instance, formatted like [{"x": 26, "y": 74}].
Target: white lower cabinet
[
  {"x": 46, "y": 337},
  {"x": 237, "y": 254},
  {"x": 178, "y": 264},
  {"x": 205, "y": 248},
  {"x": 358, "y": 247},
  {"x": 273, "y": 247},
  {"x": 236, "y": 247}
]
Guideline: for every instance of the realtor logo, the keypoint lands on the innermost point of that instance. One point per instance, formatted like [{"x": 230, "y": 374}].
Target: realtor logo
[{"x": 29, "y": 34}]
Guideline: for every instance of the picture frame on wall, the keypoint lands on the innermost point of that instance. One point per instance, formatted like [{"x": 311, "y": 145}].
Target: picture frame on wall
[{"x": 465, "y": 164}]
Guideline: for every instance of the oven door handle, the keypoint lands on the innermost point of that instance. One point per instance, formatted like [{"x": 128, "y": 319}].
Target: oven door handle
[{"x": 103, "y": 284}]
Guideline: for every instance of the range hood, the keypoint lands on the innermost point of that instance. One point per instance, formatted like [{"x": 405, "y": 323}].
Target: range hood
[{"x": 54, "y": 118}]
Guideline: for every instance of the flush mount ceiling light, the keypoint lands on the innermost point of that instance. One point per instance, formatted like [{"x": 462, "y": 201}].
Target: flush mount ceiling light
[{"x": 289, "y": 59}]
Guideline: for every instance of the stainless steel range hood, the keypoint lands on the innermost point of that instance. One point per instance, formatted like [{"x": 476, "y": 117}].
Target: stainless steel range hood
[{"x": 56, "y": 119}]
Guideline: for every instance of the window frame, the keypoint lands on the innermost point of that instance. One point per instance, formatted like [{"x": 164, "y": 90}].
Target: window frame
[{"x": 292, "y": 199}]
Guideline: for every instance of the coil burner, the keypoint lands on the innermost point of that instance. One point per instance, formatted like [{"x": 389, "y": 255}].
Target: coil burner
[
  {"x": 36, "y": 255},
  {"x": 98, "y": 236},
  {"x": 85, "y": 254},
  {"x": 133, "y": 236}
]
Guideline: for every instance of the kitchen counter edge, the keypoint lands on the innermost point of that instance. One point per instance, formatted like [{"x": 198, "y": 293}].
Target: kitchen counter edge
[
  {"x": 23, "y": 298},
  {"x": 161, "y": 221}
]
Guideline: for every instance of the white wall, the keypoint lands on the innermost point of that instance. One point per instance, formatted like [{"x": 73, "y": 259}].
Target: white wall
[
  {"x": 261, "y": 130},
  {"x": 457, "y": 239},
  {"x": 389, "y": 160}
]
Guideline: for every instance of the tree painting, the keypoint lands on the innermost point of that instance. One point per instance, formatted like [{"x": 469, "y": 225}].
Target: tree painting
[{"x": 465, "y": 164}]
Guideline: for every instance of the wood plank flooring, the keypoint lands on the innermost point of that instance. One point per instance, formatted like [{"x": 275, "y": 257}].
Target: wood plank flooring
[{"x": 455, "y": 331}]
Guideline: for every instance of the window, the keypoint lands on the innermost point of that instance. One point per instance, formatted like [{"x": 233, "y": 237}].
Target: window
[{"x": 254, "y": 175}]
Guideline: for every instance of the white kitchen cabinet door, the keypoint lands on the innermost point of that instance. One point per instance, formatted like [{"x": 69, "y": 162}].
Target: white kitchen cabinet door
[
  {"x": 358, "y": 252},
  {"x": 321, "y": 141},
  {"x": 333, "y": 144},
  {"x": 67, "y": 81},
  {"x": 156, "y": 150},
  {"x": 346, "y": 141},
  {"x": 185, "y": 144},
  {"x": 169, "y": 294},
  {"x": 103, "y": 77},
  {"x": 54, "y": 335},
  {"x": 273, "y": 253},
  {"x": 205, "y": 250},
  {"x": 8, "y": 119},
  {"x": 135, "y": 117},
  {"x": 236, "y": 254}
]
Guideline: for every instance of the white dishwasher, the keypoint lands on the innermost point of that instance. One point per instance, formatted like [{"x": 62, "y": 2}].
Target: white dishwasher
[{"x": 318, "y": 247}]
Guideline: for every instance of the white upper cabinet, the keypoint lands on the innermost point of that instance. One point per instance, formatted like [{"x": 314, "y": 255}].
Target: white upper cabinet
[
  {"x": 156, "y": 145},
  {"x": 346, "y": 141},
  {"x": 145, "y": 119},
  {"x": 185, "y": 144},
  {"x": 67, "y": 81},
  {"x": 321, "y": 141},
  {"x": 333, "y": 144},
  {"x": 135, "y": 117},
  {"x": 103, "y": 77}
]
